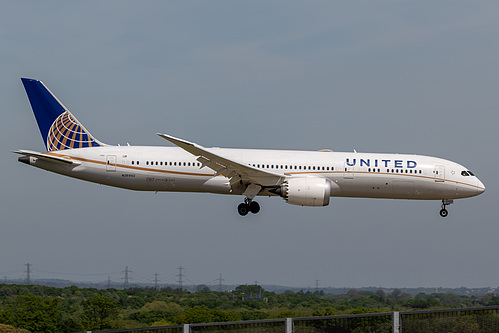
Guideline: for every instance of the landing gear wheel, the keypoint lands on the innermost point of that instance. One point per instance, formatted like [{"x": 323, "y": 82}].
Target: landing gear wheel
[
  {"x": 254, "y": 207},
  {"x": 445, "y": 203},
  {"x": 243, "y": 209}
]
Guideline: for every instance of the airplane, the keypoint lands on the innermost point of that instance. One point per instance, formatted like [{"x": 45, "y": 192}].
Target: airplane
[{"x": 304, "y": 178}]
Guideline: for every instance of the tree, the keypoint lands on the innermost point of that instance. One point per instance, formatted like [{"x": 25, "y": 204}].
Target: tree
[
  {"x": 99, "y": 312},
  {"x": 328, "y": 311},
  {"x": 10, "y": 329},
  {"x": 201, "y": 314},
  {"x": 381, "y": 293},
  {"x": 202, "y": 288},
  {"x": 249, "y": 289},
  {"x": 34, "y": 313}
]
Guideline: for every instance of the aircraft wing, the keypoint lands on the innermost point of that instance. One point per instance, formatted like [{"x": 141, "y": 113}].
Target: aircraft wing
[
  {"x": 235, "y": 171},
  {"x": 46, "y": 156}
]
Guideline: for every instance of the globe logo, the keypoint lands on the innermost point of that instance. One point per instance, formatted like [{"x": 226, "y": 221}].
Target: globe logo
[{"x": 67, "y": 133}]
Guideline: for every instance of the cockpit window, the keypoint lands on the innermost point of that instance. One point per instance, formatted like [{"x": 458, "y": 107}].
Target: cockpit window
[
  {"x": 471, "y": 173},
  {"x": 467, "y": 173}
]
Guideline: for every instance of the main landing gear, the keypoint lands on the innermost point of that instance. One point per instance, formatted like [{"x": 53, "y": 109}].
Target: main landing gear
[
  {"x": 445, "y": 202},
  {"x": 248, "y": 206}
]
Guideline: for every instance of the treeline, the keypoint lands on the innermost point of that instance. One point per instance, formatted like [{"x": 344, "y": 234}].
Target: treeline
[{"x": 47, "y": 309}]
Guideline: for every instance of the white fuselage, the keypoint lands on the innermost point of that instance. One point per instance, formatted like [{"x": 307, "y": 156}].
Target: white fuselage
[{"x": 368, "y": 175}]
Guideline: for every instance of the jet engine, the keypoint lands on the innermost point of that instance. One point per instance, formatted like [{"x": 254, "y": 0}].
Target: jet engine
[{"x": 306, "y": 191}]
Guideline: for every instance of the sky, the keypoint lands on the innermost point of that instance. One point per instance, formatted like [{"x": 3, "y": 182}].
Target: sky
[{"x": 391, "y": 76}]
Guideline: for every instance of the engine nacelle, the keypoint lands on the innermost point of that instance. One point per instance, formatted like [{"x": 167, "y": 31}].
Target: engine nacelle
[{"x": 306, "y": 191}]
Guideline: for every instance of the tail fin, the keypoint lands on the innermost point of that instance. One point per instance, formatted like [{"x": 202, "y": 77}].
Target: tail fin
[{"x": 59, "y": 128}]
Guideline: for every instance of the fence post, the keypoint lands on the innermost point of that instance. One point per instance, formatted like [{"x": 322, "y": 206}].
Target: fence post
[
  {"x": 288, "y": 326},
  {"x": 396, "y": 322},
  {"x": 186, "y": 328}
]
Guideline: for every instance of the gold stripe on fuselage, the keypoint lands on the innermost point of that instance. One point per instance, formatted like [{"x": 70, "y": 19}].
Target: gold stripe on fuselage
[{"x": 131, "y": 167}]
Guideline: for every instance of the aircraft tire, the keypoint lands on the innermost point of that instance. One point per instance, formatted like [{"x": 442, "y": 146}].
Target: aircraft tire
[
  {"x": 254, "y": 207},
  {"x": 243, "y": 209},
  {"x": 444, "y": 212}
]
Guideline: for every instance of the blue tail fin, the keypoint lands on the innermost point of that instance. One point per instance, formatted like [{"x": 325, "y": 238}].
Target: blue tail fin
[{"x": 59, "y": 128}]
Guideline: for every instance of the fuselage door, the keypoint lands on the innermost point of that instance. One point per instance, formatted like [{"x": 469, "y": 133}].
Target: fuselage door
[
  {"x": 348, "y": 171},
  {"x": 439, "y": 173},
  {"x": 111, "y": 163}
]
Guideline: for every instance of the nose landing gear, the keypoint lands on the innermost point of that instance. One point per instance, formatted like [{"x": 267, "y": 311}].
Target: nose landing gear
[
  {"x": 445, "y": 202},
  {"x": 248, "y": 206}
]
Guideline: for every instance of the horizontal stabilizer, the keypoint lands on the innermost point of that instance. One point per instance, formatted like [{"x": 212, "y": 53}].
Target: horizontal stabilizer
[{"x": 46, "y": 156}]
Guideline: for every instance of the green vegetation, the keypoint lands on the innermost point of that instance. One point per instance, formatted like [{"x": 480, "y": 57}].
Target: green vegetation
[{"x": 47, "y": 309}]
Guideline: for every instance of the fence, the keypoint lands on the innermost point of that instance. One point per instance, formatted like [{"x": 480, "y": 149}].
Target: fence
[
  {"x": 468, "y": 320},
  {"x": 472, "y": 320}
]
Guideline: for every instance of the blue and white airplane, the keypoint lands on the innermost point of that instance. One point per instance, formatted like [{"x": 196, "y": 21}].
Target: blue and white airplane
[{"x": 305, "y": 178}]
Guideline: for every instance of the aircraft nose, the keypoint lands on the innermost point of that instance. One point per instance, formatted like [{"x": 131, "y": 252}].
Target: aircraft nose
[{"x": 480, "y": 187}]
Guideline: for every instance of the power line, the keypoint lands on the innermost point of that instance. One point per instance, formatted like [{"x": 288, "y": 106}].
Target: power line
[
  {"x": 220, "y": 280},
  {"x": 28, "y": 273},
  {"x": 156, "y": 281},
  {"x": 180, "y": 276},
  {"x": 126, "y": 284},
  {"x": 78, "y": 274}
]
